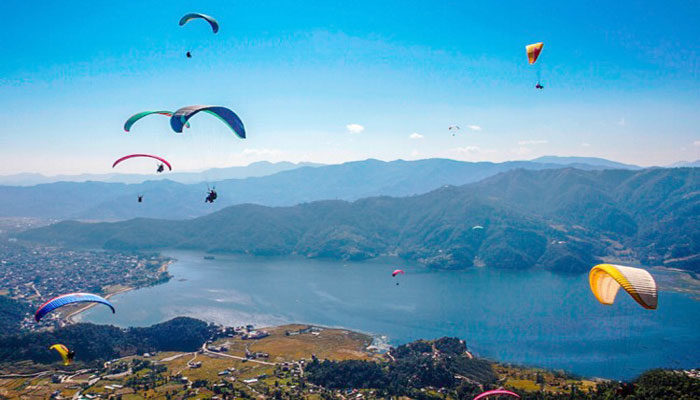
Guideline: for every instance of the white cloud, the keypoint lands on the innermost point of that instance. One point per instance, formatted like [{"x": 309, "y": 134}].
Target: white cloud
[
  {"x": 584, "y": 144},
  {"x": 467, "y": 150},
  {"x": 696, "y": 143},
  {"x": 474, "y": 127},
  {"x": 531, "y": 142},
  {"x": 262, "y": 152},
  {"x": 354, "y": 128},
  {"x": 415, "y": 135}
]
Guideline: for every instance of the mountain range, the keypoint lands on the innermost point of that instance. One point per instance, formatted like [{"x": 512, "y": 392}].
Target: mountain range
[
  {"x": 173, "y": 200},
  {"x": 562, "y": 219}
]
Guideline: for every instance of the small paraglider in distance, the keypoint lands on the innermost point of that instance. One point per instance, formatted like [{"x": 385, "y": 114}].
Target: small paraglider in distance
[
  {"x": 211, "y": 195},
  {"x": 66, "y": 355},
  {"x": 606, "y": 280},
  {"x": 188, "y": 55},
  {"x": 70, "y": 298},
  {"x": 477, "y": 227},
  {"x": 397, "y": 272},
  {"x": 533, "y": 53},
  {"x": 453, "y": 129},
  {"x": 140, "y": 198}
]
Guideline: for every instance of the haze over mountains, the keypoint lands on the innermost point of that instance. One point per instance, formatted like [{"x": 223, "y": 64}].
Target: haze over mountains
[
  {"x": 562, "y": 219},
  {"x": 281, "y": 184}
]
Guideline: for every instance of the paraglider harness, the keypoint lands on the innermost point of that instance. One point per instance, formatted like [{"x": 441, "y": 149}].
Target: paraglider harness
[
  {"x": 140, "y": 198},
  {"x": 538, "y": 86},
  {"x": 161, "y": 168},
  {"x": 211, "y": 196},
  {"x": 70, "y": 355}
]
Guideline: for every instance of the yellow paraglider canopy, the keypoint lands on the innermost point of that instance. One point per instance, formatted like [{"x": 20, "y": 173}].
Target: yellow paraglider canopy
[
  {"x": 66, "y": 354},
  {"x": 533, "y": 51},
  {"x": 606, "y": 279}
]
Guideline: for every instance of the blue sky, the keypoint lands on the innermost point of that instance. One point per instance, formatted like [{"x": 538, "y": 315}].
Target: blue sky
[{"x": 622, "y": 81}]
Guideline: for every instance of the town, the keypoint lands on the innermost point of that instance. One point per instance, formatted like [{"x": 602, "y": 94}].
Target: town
[{"x": 33, "y": 274}]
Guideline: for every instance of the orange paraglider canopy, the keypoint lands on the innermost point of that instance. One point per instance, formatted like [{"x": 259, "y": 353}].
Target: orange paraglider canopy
[{"x": 533, "y": 51}]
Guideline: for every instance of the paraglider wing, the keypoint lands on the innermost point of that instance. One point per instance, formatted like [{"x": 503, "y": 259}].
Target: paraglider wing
[
  {"x": 164, "y": 161},
  {"x": 69, "y": 298},
  {"x": 132, "y": 120},
  {"x": 189, "y": 17},
  {"x": 397, "y": 272},
  {"x": 181, "y": 116},
  {"x": 606, "y": 279},
  {"x": 66, "y": 354},
  {"x": 479, "y": 227},
  {"x": 533, "y": 51},
  {"x": 453, "y": 127},
  {"x": 497, "y": 392}
]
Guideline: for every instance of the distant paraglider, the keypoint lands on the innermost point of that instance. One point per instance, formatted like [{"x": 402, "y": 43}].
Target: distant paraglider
[
  {"x": 140, "y": 198},
  {"x": 397, "y": 272},
  {"x": 533, "y": 53},
  {"x": 160, "y": 166},
  {"x": 477, "y": 227},
  {"x": 66, "y": 354},
  {"x": 606, "y": 279},
  {"x": 181, "y": 116},
  {"x": 453, "y": 129},
  {"x": 497, "y": 392},
  {"x": 70, "y": 298}
]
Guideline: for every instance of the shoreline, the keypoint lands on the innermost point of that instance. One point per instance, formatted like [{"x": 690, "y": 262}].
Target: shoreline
[{"x": 69, "y": 318}]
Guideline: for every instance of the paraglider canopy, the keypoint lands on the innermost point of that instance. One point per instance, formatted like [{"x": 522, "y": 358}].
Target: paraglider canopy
[
  {"x": 606, "y": 279},
  {"x": 181, "y": 116},
  {"x": 477, "y": 227},
  {"x": 66, "y": 354},
  {"x": 533, "y": 51},
  {"x": 69, "y": 298},
  {"x": 397, "y": 272},
  {"x": 164, "y": 161},
  {"x": 189, "y": 17},
  {"x": 497, "y": 392}
]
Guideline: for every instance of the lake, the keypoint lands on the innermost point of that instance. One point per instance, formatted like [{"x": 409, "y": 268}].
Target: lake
[{"x": 527, "y": 317}]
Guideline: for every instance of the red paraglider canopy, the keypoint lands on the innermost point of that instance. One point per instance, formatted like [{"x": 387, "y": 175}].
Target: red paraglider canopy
[
  {"x": 396, "y": 272},
  {"x": 164, "y": 161},
  {"x": 497, "y": 392}
]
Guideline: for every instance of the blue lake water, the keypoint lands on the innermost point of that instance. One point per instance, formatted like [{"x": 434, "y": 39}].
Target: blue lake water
[{"x": 525, "y": 317}]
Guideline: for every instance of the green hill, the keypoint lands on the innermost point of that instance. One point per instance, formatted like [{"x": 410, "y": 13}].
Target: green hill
[{"x": 560, "y": 219}]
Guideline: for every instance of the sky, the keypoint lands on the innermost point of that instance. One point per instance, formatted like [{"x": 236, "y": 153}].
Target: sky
[{"x": 331, "y": 81}]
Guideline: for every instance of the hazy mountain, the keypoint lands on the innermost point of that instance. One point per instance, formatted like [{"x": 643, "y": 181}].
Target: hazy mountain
[
  {"x": 560, "y": 219},
  {"x": 681, "y": 164},
  {"x": 581, "y": 161},
  {"x": 256, "y": 169},
  {"x": 172, "y": 200}
]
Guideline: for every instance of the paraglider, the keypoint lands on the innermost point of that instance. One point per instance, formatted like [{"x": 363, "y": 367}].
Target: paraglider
[
  {"x": 162, "y": 160},
  {"x": 132, "y": 120},
  {"x": 606, "y": 279},
  {"x": 533, "y": 53},
  {"x": 212, "y": 22},
  {"x": 188, "y": 55},
  {"x": 66, "y": 355},
  {"x": 181, "y": 116},
  {"x": 70, "y": 298},
  {"x": 453, "y": 128},
  {"x": 140, "y": 198},
  {"x": 497, "y": 392},
  {"x": 397, "y": 272},
  {"x": 477, "y": 227},
  {"x": 211, "y": 196}
]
